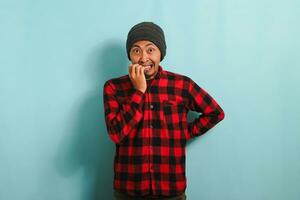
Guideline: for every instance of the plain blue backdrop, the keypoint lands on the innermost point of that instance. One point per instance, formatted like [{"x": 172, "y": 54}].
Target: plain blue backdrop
[{"x": 56, "y": 55}]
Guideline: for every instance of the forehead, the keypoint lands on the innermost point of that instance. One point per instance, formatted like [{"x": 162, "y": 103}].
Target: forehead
[{"x": 143, "y": 43}]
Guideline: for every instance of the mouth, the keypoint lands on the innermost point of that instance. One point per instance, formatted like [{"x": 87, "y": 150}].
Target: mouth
[{"x": 148, "y": 67}]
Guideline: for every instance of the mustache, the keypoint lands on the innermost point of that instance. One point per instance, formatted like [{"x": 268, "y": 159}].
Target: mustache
[{"x": 148, "y": 64}]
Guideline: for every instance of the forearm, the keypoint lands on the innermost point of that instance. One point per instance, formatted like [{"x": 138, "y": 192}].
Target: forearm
[
  {"x": 206, "y": 121},
  {"x": 121, "y": 119},
  {"x": 211, "y": 112}
]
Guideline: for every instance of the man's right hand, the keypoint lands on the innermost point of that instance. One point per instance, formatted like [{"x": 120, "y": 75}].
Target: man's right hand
[{"x": 137, "y": 77}]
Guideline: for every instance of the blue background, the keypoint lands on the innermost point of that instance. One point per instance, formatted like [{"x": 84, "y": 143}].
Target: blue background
[{"x": 56, "y": 55}]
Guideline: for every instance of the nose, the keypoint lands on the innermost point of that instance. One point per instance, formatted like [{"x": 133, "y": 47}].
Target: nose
[{"x": 144, "y": 57}]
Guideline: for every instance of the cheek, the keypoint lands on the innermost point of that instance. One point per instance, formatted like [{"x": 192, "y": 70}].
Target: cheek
[
  {"x": 134, "y": 59},
  {"x": 157, "y": 59}
]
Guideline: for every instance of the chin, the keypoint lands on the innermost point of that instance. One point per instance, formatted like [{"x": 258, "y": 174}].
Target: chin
[{"x": 149, "y": 75}]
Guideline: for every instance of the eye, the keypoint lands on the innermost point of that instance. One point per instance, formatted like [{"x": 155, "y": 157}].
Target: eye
[
  {"x": 150, "y": 50},
  {"x": 135, "y": 50}
]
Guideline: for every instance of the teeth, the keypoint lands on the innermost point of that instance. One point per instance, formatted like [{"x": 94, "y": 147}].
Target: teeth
[{"x": 148, "y": 67}]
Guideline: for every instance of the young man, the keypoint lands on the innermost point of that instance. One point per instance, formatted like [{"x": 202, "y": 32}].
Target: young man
[{"x": 146, "y": 117}]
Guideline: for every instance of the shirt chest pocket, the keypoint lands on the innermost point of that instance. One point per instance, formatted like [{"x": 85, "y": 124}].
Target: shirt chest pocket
[
  {"x": 174, "y": 114},
  {"x": 172, "y": 106}
]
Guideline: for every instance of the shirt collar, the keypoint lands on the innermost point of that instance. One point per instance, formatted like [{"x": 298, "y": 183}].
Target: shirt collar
[{"x": 159, "y": 73}]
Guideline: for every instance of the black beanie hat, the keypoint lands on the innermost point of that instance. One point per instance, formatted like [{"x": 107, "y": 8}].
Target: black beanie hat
[{"x": 147, "y": 31}]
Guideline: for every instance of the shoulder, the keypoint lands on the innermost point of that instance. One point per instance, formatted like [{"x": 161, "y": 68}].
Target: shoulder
[
  {"x": 176, "y": 76},
  {"x": 116, "y": 82}
]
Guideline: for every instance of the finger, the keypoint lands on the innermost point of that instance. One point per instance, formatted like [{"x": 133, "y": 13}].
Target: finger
[
  {"x": 129, "y": 69},
  {"x": 137, "y": 69},
  {"x": 142, "y": 70},
  {"x": 133, "y": 69}
]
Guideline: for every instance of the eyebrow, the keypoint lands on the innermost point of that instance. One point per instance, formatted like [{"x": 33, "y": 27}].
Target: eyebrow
[{"x": 149, "y": 44}]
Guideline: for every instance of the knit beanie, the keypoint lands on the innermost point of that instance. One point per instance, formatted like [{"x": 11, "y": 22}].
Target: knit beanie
[{"x": 146, "y": 31}]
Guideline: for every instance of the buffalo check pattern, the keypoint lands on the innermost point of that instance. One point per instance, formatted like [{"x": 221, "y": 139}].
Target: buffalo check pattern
[{"x": 150, "y": 131}]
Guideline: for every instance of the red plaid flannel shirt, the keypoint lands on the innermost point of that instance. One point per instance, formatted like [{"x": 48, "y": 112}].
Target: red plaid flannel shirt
[{"x": 150, "y": 131}]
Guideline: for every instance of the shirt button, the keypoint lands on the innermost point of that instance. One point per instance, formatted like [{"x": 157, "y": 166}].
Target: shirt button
[
  {"x": 151, "y": 168},
  {"x": 151, "y": 126},
  {"x": 151, "y": 107}
]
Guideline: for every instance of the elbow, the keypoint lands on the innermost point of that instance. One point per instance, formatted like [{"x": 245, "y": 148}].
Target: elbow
[
  {"x": 115, "y": 139},
  {"x": 221, "y": 115},
  {"x": 115, "y": 135}
]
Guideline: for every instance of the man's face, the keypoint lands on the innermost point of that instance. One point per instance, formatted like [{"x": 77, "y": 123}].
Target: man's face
[{"x": 146, "y": 53}]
